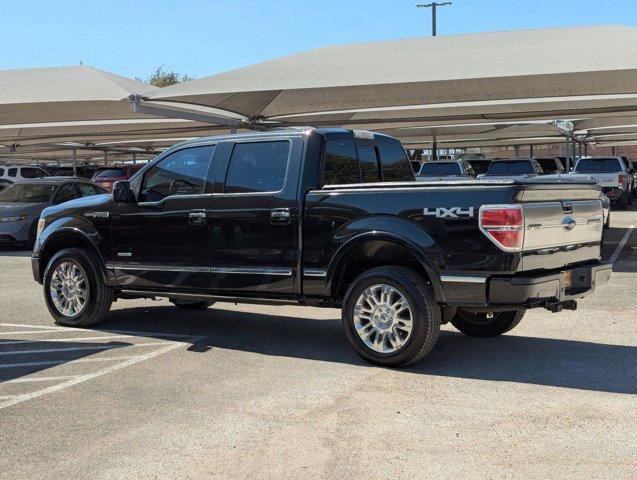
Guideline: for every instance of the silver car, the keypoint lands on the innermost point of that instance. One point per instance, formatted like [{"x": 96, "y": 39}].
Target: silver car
[{"x": 22, "y": 203}]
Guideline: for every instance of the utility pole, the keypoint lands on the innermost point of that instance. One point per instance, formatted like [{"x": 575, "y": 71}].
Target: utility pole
[{"x": 433, "y": 6}]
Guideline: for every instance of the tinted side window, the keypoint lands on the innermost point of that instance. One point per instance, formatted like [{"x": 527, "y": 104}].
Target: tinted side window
[
  {"x": 181, "y": 173},
  {"x": 65, "y": 193},
  {"x": 369, "y": 162},
  {"x": 257, "y": 167},
  {"x": 1, "y": 172},
  {"x": 32, "y": 173},
  {"x": 395, "y": 164},
  {"x": 13, "y": 172},
  {"x": 341, "y": 164},
  {"x": 88, "y": 190}
]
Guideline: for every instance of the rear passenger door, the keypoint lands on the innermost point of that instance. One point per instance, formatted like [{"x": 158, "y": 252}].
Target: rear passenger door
[{"x": 255, "y": 246}]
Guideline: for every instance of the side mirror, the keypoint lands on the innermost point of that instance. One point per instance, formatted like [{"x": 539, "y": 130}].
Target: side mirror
[{"x": 122, "y": 192}]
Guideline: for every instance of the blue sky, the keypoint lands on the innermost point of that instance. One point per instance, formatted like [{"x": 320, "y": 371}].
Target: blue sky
[{"x": 200, "y": 37}]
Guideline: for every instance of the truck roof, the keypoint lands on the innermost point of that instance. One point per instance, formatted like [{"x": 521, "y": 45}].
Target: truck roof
[{"x": 285, "y": 132}]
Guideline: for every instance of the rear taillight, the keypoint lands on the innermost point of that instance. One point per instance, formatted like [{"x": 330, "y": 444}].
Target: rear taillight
[
  {"x": 623, "y": 179},
  {"x": 503, "y": 225}
]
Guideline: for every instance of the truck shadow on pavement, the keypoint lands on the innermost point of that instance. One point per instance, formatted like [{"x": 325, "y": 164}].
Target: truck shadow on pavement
[{"x": 509, "y": 358}]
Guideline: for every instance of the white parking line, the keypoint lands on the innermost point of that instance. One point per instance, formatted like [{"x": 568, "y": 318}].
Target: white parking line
[
  {"x": 83, "y": 378},
  {"x": 123, "y": 332},
  {"x": 105, "y": 346},
  {"x": 622, "y": 244},
  {"x": 67, "y": 362},
  {"x": 21, "y": 332},
  {"x": 42, "y": 379},
  {"x": 77, "y": 339},
  {"x": 60, "y": 339},
  {"x": 30, "y": 326}
]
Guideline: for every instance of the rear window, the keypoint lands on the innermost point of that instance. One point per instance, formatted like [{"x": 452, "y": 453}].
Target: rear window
[
  {"x": 480, "y": 166},
  {"x": 369, "y": 162},
  {"x": 598, "y": 165},
  {"x": 341, "y": 164},
  {"x": 395, "y": 163},
  {"x": 111, "y": 173},
  {"x": 549, "y": 165},
  {"x": 511, "y": 168},
  {"x": 435, "y": 169}
]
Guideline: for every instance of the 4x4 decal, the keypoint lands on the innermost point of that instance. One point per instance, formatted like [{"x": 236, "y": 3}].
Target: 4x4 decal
[{"x": 452, "y": 212}]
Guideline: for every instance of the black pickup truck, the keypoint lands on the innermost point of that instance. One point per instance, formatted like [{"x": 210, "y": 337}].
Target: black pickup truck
[{"x": 329, "y": 218}]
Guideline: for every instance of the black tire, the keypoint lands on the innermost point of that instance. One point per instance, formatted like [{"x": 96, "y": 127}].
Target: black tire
[
  {"x": 622, "y": 203},
  {"x": 99, "y": 296},
  {"x": 607, "y": 223},
  {"x": 186, "y": 305},
  {"x": 426, "y": 315},
  {"x": 629, "y": 197},
  {"x": 478, "y": 325},
  {"x": 33, "y": 231}
]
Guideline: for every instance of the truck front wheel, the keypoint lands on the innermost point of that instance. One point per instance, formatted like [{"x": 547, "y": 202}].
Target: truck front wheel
[
  {"x": 74, "y": 288},
  {"x": 478, "y": 324},
  {"x": 390, "y": 316}
]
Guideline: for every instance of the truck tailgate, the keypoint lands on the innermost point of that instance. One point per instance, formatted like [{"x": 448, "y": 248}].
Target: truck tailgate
[{"x": 561, "y": 220}]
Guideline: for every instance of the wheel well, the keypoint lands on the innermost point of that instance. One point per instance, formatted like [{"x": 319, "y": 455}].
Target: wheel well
[
  {"x": 60, "y": 242},
  {"x": 370, "y": 254}
]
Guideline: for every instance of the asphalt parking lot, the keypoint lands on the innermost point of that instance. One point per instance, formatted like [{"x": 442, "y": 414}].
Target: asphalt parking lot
[{"x": 271, "y": 392}]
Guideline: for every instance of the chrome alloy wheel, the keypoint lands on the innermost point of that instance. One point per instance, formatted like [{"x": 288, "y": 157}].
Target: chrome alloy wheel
[
  {"x": 69, "y": 289},
  {"x": 383, "y": 318}
]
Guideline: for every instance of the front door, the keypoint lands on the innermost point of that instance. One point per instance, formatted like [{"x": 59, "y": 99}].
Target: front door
[
  {"x": 255, "y": 218},
  {"x": 163, "y": 241}
]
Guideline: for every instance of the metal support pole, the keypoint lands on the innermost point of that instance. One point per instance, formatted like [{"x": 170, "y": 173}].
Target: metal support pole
[
  {"x": 516, "y": 151},
  {"x": 568, "y": 161},
  {"x": 434, "y": 149},
  {"x": 585, "y": 149},
  {"x": 134, "y": 157},
  {"x": 74, "y": 162},
  {"x": 433, "y": 7},
  {"x": 105, "y": 157},
  {"x": 531, "y": 151},
  {"x": 613, "y": 150}
]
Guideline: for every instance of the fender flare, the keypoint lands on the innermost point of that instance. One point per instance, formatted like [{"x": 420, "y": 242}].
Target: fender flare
[
  {"x": 69, "y": 226},
  {"x": 411, "y": 246}
]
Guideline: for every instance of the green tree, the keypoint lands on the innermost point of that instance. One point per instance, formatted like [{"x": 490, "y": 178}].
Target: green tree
[{"x": 163, "y": 78}]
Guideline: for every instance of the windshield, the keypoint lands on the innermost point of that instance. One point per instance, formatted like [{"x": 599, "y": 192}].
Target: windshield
[
  {"x": 598, "y": 165},
  {"x": 110, "y": 173},
  {"x": 435, "y": 169},
  {"x": 511, "y": 168},
  {"x": 25, "y": 192}
]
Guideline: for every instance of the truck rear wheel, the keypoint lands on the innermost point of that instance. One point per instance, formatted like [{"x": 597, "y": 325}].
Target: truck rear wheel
[
  {"x": 478, "y": 324},
  {"x": 75, "y": 291},
  {"x": 390, "y": 316}
]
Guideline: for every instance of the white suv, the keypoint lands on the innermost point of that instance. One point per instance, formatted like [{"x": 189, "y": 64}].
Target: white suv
[{"x": 15, "y": 173}]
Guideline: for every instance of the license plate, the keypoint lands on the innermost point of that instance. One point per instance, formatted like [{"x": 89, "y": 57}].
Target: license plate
[
  {"x": 106, "y": 184},
  {"x": 568, "y": 279}
]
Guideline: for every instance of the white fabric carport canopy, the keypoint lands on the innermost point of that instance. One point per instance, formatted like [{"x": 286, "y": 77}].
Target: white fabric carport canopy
[
  {"x": 62, "y": 94},
  {"x": 503, "y": 75}
]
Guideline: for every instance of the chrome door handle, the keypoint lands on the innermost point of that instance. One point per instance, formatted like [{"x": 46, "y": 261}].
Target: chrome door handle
[
  {"x": 198, "y": 217},
  {"x": 280, "y": 215}
]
